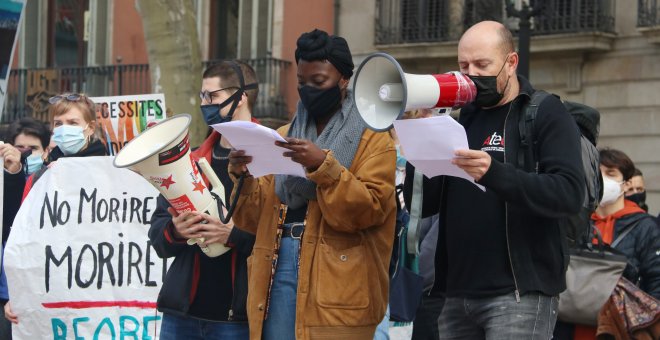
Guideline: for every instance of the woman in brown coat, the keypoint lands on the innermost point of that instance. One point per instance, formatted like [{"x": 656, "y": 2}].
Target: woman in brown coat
[{"x": 319, "y": 267}]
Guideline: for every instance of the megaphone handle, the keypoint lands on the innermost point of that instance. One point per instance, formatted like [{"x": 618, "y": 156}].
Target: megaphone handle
[
  {"x": 219, "y": 189},
  {"x": 206, "y": 169}
]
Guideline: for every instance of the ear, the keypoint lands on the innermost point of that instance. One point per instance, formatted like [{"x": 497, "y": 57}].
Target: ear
[
  {"x": 244, "y": 100},
  {"x": 92, "y": 127},
  {"x": 627, "y": 185},
  {"x": 343, "y": 83},
  {"x": 45, "y": 154},
  {"x": 512, "y": 63}
]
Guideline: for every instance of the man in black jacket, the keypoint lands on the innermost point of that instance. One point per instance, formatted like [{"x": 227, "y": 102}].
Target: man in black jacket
[
  {"x": 501, "y": 256},
  {"x": 203, "y": 297}
]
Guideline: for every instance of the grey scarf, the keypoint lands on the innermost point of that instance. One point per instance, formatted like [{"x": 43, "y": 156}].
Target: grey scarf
[{"x": 341, "y": 135}]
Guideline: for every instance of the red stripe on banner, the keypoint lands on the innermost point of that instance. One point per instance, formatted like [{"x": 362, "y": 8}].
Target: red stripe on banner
[{"x": 99, "y": 304}]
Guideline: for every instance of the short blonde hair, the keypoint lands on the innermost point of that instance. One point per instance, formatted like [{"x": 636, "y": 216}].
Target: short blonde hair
[{"x": 84, "y": 104}]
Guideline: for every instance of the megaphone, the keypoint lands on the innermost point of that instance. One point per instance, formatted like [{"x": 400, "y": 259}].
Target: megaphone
[
  {"x": 383, "y": 92},
  {"x": 161, "y": 154}
]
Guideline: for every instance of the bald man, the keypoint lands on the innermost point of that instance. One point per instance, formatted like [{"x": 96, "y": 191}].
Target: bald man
[{"x": 501, "y": 257}]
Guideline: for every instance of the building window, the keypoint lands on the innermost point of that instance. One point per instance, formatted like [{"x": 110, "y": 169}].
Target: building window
[
  {"x": 411, "y": 21},
  {"x": 67, "y": 45}
]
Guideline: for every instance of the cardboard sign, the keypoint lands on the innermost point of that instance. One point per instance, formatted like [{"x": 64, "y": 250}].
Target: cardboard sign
[
  {"x": 79, "y": 262},
  {"x": 121, "y": 118}
]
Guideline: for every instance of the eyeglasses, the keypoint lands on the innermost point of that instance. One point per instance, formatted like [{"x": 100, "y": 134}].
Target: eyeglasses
[
  {"x": 207, "y": 96},
  {"x": 74, "y": 97}
]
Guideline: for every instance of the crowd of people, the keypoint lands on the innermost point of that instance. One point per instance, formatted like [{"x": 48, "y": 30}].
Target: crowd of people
[{"x": 310, "y": 256}]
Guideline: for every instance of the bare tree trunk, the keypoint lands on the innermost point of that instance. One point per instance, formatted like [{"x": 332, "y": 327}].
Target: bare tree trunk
[{"x": 174, "y": 57}]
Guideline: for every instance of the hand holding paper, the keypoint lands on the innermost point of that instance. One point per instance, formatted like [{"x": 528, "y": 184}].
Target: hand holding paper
[
  {"x": 258, "y": 142},
  {"x": 430, "y": 145}
]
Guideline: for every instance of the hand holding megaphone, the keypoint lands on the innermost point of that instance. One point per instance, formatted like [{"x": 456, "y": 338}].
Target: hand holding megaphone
[
  {"x": 200, "y": 228},
  {"x": 161, "y": 154}
]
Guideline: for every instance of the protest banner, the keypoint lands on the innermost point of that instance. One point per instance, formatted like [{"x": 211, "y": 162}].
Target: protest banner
[
  {"x": 79, "y": 262},
  {"x": 121, "y": 118},
  {"x": 11, "y": 12}
]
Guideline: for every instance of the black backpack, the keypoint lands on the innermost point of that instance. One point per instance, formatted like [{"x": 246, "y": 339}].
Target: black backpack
[{"x": 587, "y": 119}]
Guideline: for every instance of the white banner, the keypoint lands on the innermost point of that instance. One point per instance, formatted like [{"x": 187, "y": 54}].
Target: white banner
[
  {"x": 78, "y": 260},
  {"x": 121, "y": 118}
]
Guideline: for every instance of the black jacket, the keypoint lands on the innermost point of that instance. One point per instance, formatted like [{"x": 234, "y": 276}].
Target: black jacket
[
  {"x": 180, "y": 285},
  {"x": 12, "y": 196},
  {"x": 535, "y": 202},
  {"x": 642, "y": 248}
]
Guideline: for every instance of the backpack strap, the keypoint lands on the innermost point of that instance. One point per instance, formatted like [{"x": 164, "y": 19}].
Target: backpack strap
[
  {"x": 412, "y": 237},
  {"x": 528, "y": 143},
  {"x": 624, "y": 233}
]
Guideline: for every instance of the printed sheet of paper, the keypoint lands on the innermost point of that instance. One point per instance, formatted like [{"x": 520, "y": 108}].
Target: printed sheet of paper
[
  {"x": 429, "y": 145},
  {"x": 258, "y": 141}
]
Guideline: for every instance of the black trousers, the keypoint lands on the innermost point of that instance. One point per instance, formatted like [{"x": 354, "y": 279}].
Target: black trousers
[{"x": 425, "y": 326}]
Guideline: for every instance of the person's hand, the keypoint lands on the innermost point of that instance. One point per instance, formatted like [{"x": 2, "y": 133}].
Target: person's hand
[
  {"x": 9, "y": 315},
  {"x": 304, "y": 152},
  {"x": 213, "y": 230},
  {"x": 184, "y": 224},
  {"x": 12, "y": 158},
  {"x": 474, "y": 162},
  {"x": 238, "y": 162}
]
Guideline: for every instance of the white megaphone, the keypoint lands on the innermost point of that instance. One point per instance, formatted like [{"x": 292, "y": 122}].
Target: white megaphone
[
  {"x": 383, "y": 92},
  {"x": 161, "y": 154}
]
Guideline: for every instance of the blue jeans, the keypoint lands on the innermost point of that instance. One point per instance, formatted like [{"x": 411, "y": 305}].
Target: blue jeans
[
  {"x": 383, "y": 328},
  {"x": 500, "y": 317},
  {"x": 175, "y": 327},
  {"x": 280, "y": 323}
]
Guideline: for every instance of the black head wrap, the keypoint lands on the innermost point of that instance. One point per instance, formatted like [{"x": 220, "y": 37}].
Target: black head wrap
[{"x": 318, "y": 45}]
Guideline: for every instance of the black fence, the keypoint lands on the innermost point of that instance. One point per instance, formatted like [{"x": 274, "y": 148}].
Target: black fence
[
  {"x": 574, "y": 16},
  {"x": 28, "y": 90},
  {"x": 647, "y": 13},
  {"x": 411, "y": 21}
]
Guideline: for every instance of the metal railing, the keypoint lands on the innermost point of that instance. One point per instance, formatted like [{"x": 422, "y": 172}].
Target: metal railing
[
  {"x": 28, "y": 90},
  {"x": 411, "y": 21},
  {"x": 647, "y": 13},
  {"x": 571, "y": 16}
]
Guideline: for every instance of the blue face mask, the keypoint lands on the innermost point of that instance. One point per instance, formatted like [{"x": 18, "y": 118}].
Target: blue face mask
[
  {"x": 212, "y": 114},
  {"x": 69, "y": 139},
  {"x": 34, "y": 163}
]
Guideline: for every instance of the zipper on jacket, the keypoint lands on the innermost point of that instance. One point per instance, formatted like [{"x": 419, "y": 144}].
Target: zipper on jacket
[{"x": 506, "y": 216}]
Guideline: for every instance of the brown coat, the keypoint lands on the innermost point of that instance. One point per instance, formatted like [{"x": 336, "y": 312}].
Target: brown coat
[{"x": 343, "y": 281}]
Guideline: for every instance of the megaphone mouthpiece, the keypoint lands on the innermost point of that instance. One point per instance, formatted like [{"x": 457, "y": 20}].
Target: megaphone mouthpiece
[{"x": 391, "y": 92}]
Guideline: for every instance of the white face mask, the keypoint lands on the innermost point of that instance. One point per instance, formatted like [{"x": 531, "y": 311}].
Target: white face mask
[{"x": 611, "y": 191}]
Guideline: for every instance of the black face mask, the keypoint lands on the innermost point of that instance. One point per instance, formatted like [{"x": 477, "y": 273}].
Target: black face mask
[
  {"x": 487, "y": 95},
  {"x": 318, "y": 102},
  {"x": 639, "y": 198}
]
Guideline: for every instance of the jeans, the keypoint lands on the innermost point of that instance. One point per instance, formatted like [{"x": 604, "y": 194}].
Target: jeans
[
  {"x": 500, "y": 317},
  {"x": 383, "y": 328},
  {"x": 280, "y": 322},
  {"x": 175, "y": 327}
]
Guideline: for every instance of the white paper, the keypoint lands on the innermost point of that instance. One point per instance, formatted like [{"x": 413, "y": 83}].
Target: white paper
[
  {"x": 258, "y": 141},
  {"x": 429, "y": 145}
]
